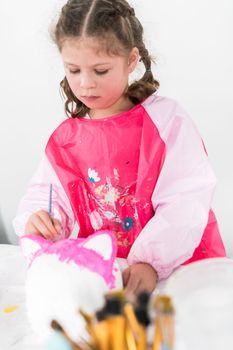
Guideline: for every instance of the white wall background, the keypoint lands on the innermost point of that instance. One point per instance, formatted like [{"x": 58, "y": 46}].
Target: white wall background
[{"x": 192, "y": 41}]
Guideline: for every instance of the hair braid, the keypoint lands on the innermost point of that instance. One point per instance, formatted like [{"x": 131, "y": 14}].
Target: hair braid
[{"x": 140, "y": 89}]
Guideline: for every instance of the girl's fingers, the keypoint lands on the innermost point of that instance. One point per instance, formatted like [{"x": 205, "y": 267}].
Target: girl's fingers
[
  {"x": 57, "y": 225},
  {"x": 139, "y": 277},
  {"x": 141, "y": 288},
  {"x": 125, "y": 276},
  {"x": 47, "y": 221},
  {"x": 41, "y": 223},
  {"x": 41, "y": 227},
  {"x": 132, "y": 284},
  {"x": 36, "y": 227},
  {"x": 31, "y": 229}
]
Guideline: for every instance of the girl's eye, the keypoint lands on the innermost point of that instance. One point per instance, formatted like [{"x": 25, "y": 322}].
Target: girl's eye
[
  {"x": 98, "y": 72},
  {"x": 101, "y": 72},
  {"x": 74, "y": 71}
]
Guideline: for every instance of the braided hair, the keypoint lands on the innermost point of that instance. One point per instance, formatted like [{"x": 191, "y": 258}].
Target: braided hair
[{"x": 106, "y": 20}]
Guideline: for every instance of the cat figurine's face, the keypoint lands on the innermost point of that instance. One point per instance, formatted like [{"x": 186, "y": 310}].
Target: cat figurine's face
[{"x": 66, "y": 276}]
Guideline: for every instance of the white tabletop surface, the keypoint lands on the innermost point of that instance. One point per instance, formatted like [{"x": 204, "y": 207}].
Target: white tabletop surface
[
  {"x": 15, "y": 331},
  {"x": 202, "y": 293}
]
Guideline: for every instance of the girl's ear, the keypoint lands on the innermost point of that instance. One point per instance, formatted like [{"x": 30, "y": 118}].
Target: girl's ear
[{"x": 133, "y": 59}]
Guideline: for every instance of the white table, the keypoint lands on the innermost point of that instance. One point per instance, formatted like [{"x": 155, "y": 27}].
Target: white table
[
  {"x": 202, "y": 294},
  {"x": 15, "y": 331}
]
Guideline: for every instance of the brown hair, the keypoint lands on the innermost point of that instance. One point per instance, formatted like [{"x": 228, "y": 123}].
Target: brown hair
[{"x": 105, "y": 20}]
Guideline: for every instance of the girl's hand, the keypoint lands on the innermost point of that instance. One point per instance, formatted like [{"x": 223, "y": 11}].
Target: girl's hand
[
  {"x": 41, "y": 223},
  {"x": 139, "y": 277}
]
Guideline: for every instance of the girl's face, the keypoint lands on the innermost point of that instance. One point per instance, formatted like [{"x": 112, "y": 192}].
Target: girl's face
[{"x": 96, "y": 78}]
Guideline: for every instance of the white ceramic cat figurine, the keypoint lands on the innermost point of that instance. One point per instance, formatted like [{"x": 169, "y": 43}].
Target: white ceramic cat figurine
[{"x": 67, "y": 275}]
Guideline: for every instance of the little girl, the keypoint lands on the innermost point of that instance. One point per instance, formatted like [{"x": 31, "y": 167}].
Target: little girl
[{"x": 126, "y": 159}]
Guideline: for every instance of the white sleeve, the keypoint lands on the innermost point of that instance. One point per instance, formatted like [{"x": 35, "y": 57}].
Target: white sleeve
[
  {"x": 181, "y": 199},
  {"x": 37, "y": 198}
]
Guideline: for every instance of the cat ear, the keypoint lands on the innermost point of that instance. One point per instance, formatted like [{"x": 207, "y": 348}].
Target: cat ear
[
  {"x": 102, "y": 242},
  {"x": 31, "y": 244}
]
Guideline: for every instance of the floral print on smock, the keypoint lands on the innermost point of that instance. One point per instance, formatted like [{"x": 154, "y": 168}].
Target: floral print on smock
[{"x": 109, "y": 168}]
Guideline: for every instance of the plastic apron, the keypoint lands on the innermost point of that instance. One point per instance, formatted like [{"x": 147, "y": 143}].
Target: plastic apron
[{"x": 109, "y": 169}]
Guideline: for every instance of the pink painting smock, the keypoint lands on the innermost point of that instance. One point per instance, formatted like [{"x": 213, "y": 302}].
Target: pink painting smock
[{"x": 145, "y": 175}]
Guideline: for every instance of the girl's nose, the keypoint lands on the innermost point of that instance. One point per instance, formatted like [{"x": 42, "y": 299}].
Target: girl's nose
[{"x": 87, "y": 82}]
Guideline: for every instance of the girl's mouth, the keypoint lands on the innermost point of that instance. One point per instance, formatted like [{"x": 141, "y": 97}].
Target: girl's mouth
[{"x": 90, "y": 98}]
